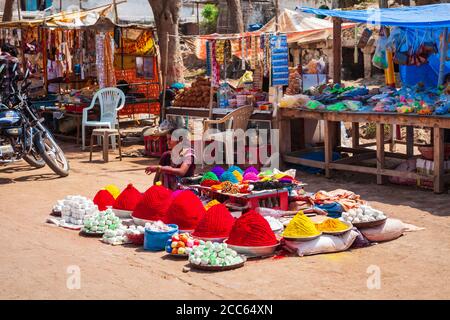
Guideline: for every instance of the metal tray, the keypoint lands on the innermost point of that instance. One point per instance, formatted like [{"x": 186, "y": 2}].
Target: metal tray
[
  {"x": 370, "y": 224},
  {"x": 336, "y": 233},
  {"x": 217, "y": 268},
  {"x": 254, "y": 252},
  {"x": 91, "y": 234}
]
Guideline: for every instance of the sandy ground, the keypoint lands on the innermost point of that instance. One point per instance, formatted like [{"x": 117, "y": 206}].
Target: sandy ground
[{"x": 35, "y": 256}]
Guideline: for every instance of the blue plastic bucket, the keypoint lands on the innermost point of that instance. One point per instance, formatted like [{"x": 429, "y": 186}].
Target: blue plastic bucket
[{"x": 156, "y": 241}]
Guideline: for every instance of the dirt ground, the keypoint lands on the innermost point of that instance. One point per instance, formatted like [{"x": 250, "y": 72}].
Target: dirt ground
[{"x": 35, "y": 256}]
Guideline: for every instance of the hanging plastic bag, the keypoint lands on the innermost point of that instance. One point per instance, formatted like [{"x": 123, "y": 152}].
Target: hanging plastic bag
[{"x": 379, "y": 59}]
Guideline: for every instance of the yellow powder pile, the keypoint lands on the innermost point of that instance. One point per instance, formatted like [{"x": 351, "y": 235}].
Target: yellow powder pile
[
  {"x": 300, "y": 226},
  {"x": 331, "y": 225},
  {"x": 211, "y": 203}
]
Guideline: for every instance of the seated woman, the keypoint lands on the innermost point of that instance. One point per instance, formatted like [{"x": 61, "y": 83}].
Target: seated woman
[{"x": 173, "y": 167}]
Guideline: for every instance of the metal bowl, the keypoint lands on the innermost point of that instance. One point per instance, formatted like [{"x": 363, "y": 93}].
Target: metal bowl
[
  {"x": 219, "y": 268},
  {"x": 253, "y": 252},
  {"x": 336, "y": 233},
  {"x": 123, "y": 214},
  {"x": 370, "y": 224},
  {"x": 220, "y": 240},
  {"x": 140, "y": 222}
]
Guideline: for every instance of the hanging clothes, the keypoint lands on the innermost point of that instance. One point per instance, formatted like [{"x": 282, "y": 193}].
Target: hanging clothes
[
  {"x": 105, "y": 60},
  {"x": 215, "y": 67}
]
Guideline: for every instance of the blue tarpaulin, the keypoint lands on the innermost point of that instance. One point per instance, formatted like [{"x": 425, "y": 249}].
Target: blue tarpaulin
[{"x": 436, "y": 15}]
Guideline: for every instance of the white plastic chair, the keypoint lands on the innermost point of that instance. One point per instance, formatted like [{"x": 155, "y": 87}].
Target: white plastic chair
[{"x": 111, "y": 100}]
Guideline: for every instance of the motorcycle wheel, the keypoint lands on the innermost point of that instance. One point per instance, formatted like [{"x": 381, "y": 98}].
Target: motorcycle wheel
[
  {"x": 52, "y": 154},
  {"x": 34, "y": 159}
]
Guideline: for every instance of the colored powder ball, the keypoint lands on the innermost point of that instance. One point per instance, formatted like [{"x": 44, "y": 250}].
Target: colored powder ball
[
  {"x": 238, "y": 175},
  {"x": 218, "y": 170},
  {"x": 128, "y": 198},
  {"x": 176, "y": 193},
  {"x": 103, "y": 199},
  {"x": 300, "y": 227},
  {"x": 209, "y": 176},
  {"x": 216, "y": 223},
  {"x": 252, "y": 230},
  {"x": 113, "y": 189},
  {"x": 209, "y": 183},
  {"x": 331, "y": 225},
  {"x": 234, "y": 168},
  {"x": 228, "y": 176},
  {"x": 251, "y": 169},
  {"x": 154, "y": 204},
  {"x": 185, "y": 211},
  {"x": 251, "y": 176}
]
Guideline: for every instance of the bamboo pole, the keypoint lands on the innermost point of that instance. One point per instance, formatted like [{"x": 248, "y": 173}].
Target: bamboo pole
[
  {"x": 116, "y": 16},
  {"x": 19, "y": 12},
  {"x": 166, "y": 57},
  {"x": 443, "y": 56}
]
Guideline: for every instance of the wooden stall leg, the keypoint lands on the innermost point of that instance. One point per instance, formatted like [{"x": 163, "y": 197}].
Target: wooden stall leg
[
  {"x": 355, "y": 134},
  {"x": 105, "y": 147},
  {"x": 328, "y": 146},
  {"x": 380, "y": 152},
  {"x": 438, "y": 150},
  {"x": 410, "y": 141},
  {"x": 392, "y": 138},
  {"x": 285, "y": 136}
]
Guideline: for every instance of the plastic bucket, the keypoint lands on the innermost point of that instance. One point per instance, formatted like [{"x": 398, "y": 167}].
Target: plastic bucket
[{"x": 156, "y": 241}]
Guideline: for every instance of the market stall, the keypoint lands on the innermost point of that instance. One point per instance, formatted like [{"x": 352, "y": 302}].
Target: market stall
[
  {"x": 74, "y": 54},
  {"x": 228, "y": 218},
  {"x": 408, "y": 106}
]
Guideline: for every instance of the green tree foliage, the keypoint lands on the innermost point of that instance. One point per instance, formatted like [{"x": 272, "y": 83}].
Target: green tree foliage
[{"x": 210, "y": 13}]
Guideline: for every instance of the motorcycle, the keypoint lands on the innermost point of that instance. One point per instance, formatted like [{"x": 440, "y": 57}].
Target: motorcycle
[{"x": 22, "y": 134}]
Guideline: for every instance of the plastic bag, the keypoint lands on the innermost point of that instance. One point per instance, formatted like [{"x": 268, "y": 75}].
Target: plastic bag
[
  {"x": 295, "y": 101},
  {"x": 390, "y": 230},
  {"x": 324, "y": 244},
  {"x": 379, "y": 59}
]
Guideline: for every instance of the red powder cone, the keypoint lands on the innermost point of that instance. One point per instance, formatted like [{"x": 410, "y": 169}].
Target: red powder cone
[
  {"x": 154, "y": 204},
  {"x": 216, "y": 223},
  {"x": 209, "y": 183},
  {"x": 103, "y": 199},
  {"x": 128, "y": 199},
  {"x": 185, "y": 211},
  {"x": 252, "y": 230}
]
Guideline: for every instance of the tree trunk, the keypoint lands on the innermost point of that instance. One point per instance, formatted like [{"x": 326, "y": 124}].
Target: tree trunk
[
  {"x": 167, "y": 15},
  {"x": 230, "y": 18},
  {"x": 236, "y": 17},
  {"x": 8, "y": 10}
]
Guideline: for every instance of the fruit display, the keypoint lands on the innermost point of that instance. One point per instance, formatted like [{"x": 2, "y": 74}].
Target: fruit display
[
  {"x": 197, "y": 96},
  {"x": 74, "y": 208},
  {"x": 101, "y": 221},
  {"x": 181, "y": 244},
  {"x": 214, "y": 254},
  {"x": 363, "y": 214}
]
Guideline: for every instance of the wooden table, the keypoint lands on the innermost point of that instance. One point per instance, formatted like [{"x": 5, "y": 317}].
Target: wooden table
[
  {"x": 258, "y": 115},
  {"x": 291, "y": 117}
]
